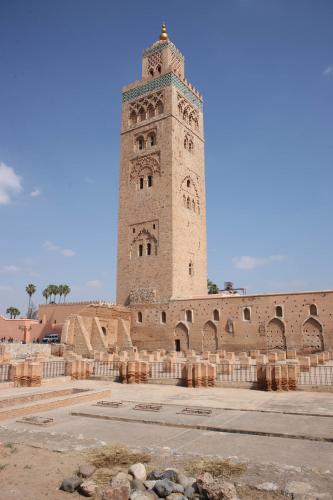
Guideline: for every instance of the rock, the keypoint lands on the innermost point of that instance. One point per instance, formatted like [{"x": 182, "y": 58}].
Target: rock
[
  {"x": 189, "y": 492},
  {"x": 137, "y": 485},
  {"x": 86, "y": 470},
  {"x": 297, "y": 488},
  {"x": 267, "y": 487},
  {"x": 215, "y": 489},
  {"x": 116, "y": 493},
  {"x": 123, "y": 476},
  {"x": 120, "y": 480},
  {"x": 71, "y": 484},
  {"x": 88, "y": 488},
  {"x": 143, "y": 495},
  {"x": 164, "y": 487},
  {"x": 138, "y": 471},
  {"x": 184, "y": 480},
  {"x": 170, "y": 474},
  {"x": 149, "y": 484},
  {"x": 176, "y": 496}
]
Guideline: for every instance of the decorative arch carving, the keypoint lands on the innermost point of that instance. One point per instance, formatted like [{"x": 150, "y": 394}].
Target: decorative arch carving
[
  {"x": 275, "y": 334},
  {"x": 146, "y": 108},
  {"x": 209, "y": 337},
  {"x": 141, "y": 241},
  {"x": 312, "y": 334},
  {"x": 149, "y": 162},
  {"x": 188, "y": 188}
]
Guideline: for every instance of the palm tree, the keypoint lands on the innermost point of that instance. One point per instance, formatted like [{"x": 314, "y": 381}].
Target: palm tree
[
  {"x": 46, "y": 294},
  {"x": 66, "y": 290},
  {"x": 30, "y": 289},
  {"x": 13, "y": 311},
  {"x": 212, "y": 287},
  {"x": 60, "y": 291}
]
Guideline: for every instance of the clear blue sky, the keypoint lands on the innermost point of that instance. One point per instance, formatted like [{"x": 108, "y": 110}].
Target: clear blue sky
[{"x": 265, "y": 69}]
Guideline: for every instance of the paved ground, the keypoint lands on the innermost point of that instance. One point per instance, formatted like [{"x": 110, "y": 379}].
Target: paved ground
[{"x": 237, "y": 426}]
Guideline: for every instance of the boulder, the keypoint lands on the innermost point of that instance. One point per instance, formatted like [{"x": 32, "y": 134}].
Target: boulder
[
  {"x": 115, "y": 493},
  {"x": 189, "y": 492},
  {"x": 149, "y": 484},
  {"x": 88, "y": 488},
  {"x": 164, "y": 488},
  {"x": 86, "y": 470},
  {"x": 71, "y": 484},
  {"x": 215, "y": 489},
  {"x": 138, "y": 471},
  {"x": 137, "y": 485},
  {"x": 170, "y": 474},
  {"x": 184, "y": 480}
]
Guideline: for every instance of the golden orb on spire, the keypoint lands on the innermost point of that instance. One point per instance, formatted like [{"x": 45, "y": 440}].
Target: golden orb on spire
[{"x": 164, "y": 34}]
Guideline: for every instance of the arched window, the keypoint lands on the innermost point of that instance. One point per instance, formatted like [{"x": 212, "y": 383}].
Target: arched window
[
  {"x": 190, "y": 120},
  {"x": 151, "y": 139},
  {"x": 278, "y": 312},
  {"x": 148, "y": 248},
  {"x": 193, "y": 205},
  {"x": 190, "y": 146},
  {"x": 188, "y": 316},
  {"x": 139, "y": 317},
  {"x": 151, "y": 111},
  {"x": 180, "y": 109},
  {"x": 159, "y": 108},
  {"x": 140, "y": 250},
  {"x": 159, "y": 69},
  {"x": 133, "y": 118},
  {"x": 313, "y": 310},
  {"x": 140, "y": 143},
  {"x": 216, "y": 315},
  {"x": 163, "y": 317},
  {"x": 247, "y": 314},
  {"x": 104, "y": 330},
  {"x": 141, "y": 182},
  {"x": 150, "y": 180},
  {"x": 185, "y": 116},
  {"x": 142, "y": 114},
  {"x": 188, "y": 202},
  {"x": 151, "y": 72},
  {"x": 190, "y": 269},
  {"x": 188, "y": 183},
  {"x": 185, "y": 143}
]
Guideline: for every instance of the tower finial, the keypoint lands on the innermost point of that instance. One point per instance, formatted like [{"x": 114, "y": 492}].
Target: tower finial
[{"x": 164, "y": 34}]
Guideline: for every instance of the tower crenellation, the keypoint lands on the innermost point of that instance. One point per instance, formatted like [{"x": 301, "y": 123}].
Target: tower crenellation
[{"x": 162, "y": 216}]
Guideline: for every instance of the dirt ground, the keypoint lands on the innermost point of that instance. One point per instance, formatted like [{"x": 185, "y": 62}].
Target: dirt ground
[{"x": 34, "y": 473}]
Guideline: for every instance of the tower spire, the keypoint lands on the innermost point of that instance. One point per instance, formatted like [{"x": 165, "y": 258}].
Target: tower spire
[{"x": 164, "y": 34}]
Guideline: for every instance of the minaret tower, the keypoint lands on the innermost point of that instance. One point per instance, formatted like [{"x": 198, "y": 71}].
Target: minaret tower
[{"x": 162, "y": 208}]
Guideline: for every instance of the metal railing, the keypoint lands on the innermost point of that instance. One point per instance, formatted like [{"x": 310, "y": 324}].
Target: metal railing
[
  {"x": 160, "y": 369},
  {"x": 106, "y": 368},
  {"x": 236, "y": 373},
  {"x": 53, "y": 368},
  {"x": 4, "y": 373},
  {"x": 317, "y": 375}
]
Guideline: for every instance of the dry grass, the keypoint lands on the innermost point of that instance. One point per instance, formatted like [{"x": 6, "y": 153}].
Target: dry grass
[
  {"x": 116, "y": 455},
  {"x": 216, "y": 467}
]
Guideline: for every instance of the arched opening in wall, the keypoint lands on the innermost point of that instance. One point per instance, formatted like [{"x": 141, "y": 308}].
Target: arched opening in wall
[
  {"x": 133, "y": 118},
  {"x": 193, "y": 205},
  {"x": 313, "y": 310},
  {"x": 180, "y": 109},
  {"x": 275, "y": 335},
  {"x": 188, "y": 183},
  {"x": 185, "y": 143},
  {"x": 141, "y": 180},
  {"x": 104, "y": 330},
  {"x": 140, "y": 250},
  {"x": 150, "y": 111},
  {"x": 142, "y": 114},
  {"x": 139, "y": 317},
  {"x": 209, "y": 337},
  {"x": 148, "y": 248},
  {"x": 190, "y": 269},
  {"x": 151, "y": 72},
  {"x": 140, "y": 143},
  {"x": 312, "y": 334},
  {"x": 278, "y": 312},
  {"x": 216, "y": 315},
  {"x": 188, "y": 202},
  {"x": 163, "y": 317},
  {"x": 188, "y": 315},
  {"x": 181, "y": 337},
  {"x": 152, "y": 139},
  {"x": 159, "y": 108},
  {"x": 184, "y": 200},
  {"x": 247, "y": 314},
  {"x": 150, "y": 181}
]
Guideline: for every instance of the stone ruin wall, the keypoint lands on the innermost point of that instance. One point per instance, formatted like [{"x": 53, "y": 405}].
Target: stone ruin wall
[{"x": 296, "y": 329}]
